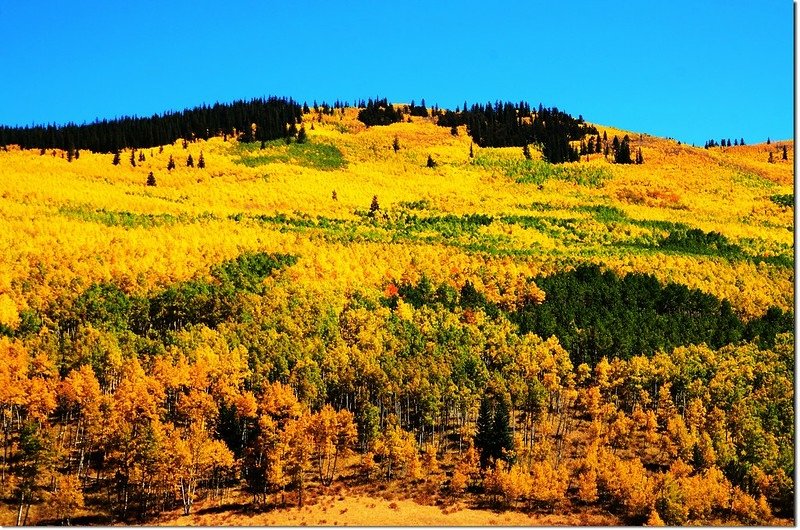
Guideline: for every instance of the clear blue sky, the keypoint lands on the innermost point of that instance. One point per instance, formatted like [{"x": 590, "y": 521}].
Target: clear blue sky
[{"x": 688, "y": 69}]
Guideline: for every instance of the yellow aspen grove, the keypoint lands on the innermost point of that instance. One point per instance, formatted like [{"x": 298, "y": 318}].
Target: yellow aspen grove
[{"x": 282, "y": 313}]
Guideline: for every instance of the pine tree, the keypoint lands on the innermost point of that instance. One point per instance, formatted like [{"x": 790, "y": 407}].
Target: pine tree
[
  {"x": 623, "y": 152},
  {"x": 374, "y": 206},
  {"x": 526, "y": 152},
  {"x": 201, "y": 163},
  {"x": 639, "y": 157},
  {"x": 484, "y": 438},
  {"x": 431, "y": 162},
  {"x": 768, "y": 140},
  {"x": 141, "y": 156},
  {"x": 785, "y": 154},
  {"x": 741, "y": 141},
  {"x": 116, "y": 159},
  {"x": 77, "y": 154},
  {"x": 189, "y": 161},
  {"x": 470, "y": 150},
  {"x": 151, "y": 179},
  {"x": 771, "y": 160},
  {"x": 185, "y": 144},
  {"x": 334, "y": 196},
  {"x": 454, "y": 130},
  {"x": 69, "y": 155},
  {"x": 501, "y": 425},
  {"x": 396, "y": 144},
  {"x": 170, "y": 164},
  {"x": 133, "y": 158},
  {"x": 302, "y": 137}
]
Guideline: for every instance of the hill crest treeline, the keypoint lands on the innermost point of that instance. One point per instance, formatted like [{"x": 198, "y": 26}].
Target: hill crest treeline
[{"x": 271, "y": 117}]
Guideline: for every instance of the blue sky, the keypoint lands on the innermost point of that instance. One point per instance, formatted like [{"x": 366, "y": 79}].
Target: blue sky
[{"x": 692, "y": 70}]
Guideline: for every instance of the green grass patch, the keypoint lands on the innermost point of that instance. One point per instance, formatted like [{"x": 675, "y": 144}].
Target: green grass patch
[
  {"x": 786, "y": 200},
  {"x": 315, "y": 155},
  {"x": 128, "y": 219},
  {"x": 538, "y": 171}
]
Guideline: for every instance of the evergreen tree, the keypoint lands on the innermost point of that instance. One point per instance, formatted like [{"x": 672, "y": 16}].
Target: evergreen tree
[
  {"x": 170, "y": 164},
  {"x": 69, "y": 155},
  {"x": 374, "y": 206},
  {"x": 141, "y": 156},
  {"x": 785, "y": 154},
  {"x": 263, "y": 144},
  {"x": 639, "y": 157},
  {"x": 396, "y": 144},
  {"x": 151, "y": 179},
  {"x": 116, "y": 159},
  {"x": 454, "y": 130},
  {"x": 334, "y": 196},
  {"x": 431, "y": 162},
  {"x": 201, "y": 163},
  {"x": 768, "y": 140},
  {"x": 77, "y": 154},
  {"x": 526, "y": 151},
  {"x": 302, "y": 137},
  {"x": 770, "y": 160},
  {"x": 133, "y": 158},
  {"x": 623, "y": 152},
  {"x": 471, "y": 155},
  {"x": 484, "y": 437},
  {"x": 741, "y": 141},
  {"x": 189, "y": 161},
  {"x": 501, "y": 427},
  {"x": 590, "y": 145}
]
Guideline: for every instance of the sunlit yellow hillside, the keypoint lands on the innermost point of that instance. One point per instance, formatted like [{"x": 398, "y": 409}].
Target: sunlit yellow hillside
[
  {"x": 67, "y": 224},
  {"x": 392, "y": 324}
]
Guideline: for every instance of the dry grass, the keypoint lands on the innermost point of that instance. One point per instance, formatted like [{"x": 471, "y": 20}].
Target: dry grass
[{"x": 362, "y": 510}]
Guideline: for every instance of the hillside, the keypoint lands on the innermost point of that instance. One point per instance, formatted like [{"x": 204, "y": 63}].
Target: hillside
[{"x": 635, "y": 320}]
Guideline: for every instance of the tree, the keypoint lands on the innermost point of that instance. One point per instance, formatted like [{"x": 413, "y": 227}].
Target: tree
[
  {"x": 333, "y": 435},
  {"x": 141, "y": 156},
  {"x": 396, "y": 144},
  {"x": 374, "y": 206},
  {"x": 470, "y": 150},
  {"x": 431, "y": 162},
  {"x": 493, "y": 439},
  {"x": 151, "y": 179},
  {"x": 623, "y": 151},
  {"x": 302, "y": 137},
  {"x": 189, "y": 161},
  {"x": 526, "y": 151},
  {"x": 334, "y": 196},
  {"x": 639, "y": 157},
  {"x": 770, "y": 159},
  {"x": 66, "y": 499},
  {"x": 116, "y": 159},
  {"x": 201, "y": 163},
  {"x": 785, "y": 154},
  {"x": 133, "y": 158},
  {"x": 170, "y": 164},
  {"x": 454, "y": 130}
]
